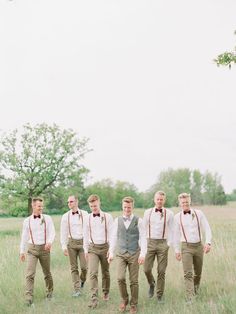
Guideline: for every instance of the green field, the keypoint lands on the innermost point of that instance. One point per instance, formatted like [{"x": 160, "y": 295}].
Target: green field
[{"x": 218, "y": 286}]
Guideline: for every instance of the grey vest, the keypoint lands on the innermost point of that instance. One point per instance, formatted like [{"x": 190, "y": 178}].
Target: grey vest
[{"x": 127, "y": 239}]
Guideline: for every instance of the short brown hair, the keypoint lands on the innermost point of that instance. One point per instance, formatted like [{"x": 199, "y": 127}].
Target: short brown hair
[
  {"x": 160, "y": 193},
  {"x": 128, "y": 199},
  {"x": 37, "y": 198},
  {"x": 92, "y": 198},
  {"x": 184, "y": 195}
]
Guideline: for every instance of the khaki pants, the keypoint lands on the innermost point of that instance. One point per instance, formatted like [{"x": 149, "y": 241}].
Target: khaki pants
[
  {"x": 192, "y": 258},
  {"x": 130, "y": 261},
  {"x": 98, "y": 253},
  {"x": 156, "y": 248},
  {"x": 75, "y": 250},
  {"x": 35, "y": 253}
]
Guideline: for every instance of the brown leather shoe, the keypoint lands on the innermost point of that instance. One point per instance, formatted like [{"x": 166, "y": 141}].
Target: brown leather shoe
[
  {"x": 133, "y": 309},
  {"x": 105, "y": 297},
  {"x": 122, "y": 307},
  {"x": 93, "y": 303}
]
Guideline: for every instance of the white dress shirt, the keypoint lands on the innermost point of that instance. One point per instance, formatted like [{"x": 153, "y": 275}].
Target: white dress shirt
[
  {"x": 190, "y": 226},
  {"x": 99, "y": 234},
  {"x": 157, "y": 224},
  {"x": 37, "y": 227},
  {"x": 75, "y": 230},
  {"x": 142, "y": 236}
]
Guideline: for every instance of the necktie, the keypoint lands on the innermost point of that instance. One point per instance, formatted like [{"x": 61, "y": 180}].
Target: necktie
[
  {"x": 96, "y": 215},
  {"x": 187, "y": 212},
  {"x": 77, "y": 212},
  {"x": 126, "y": 218},
  {"x": 35, "y": 216},
  {"x": 158, "y": 210}
]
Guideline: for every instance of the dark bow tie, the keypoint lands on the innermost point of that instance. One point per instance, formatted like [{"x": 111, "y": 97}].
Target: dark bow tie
[
  {"x": 77, "y": 212},
  {"x": 35, "y": 216},
  {"x": 187, "y": 212},
  {"x": 126, "y": 218},
  {"x": 96, "y": 215},
  {"x": 158, "y": 210}
]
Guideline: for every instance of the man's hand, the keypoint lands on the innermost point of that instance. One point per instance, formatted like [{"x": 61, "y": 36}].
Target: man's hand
[
  {"x": 207, "y": 248},
  {"x": 178, "y": 256},
  {"x": 65, "y": 252},
  {"x": 141, "y": 260},
  {"x": 22, "y": 257},
  {"x": 110, "y": 258},
  {"x": 48, "y": 247}
]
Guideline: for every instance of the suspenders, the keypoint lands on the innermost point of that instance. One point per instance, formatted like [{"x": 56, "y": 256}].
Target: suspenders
[
  {"x": 149, "y": 224},
  {"x": 45, "y": 232},
  {"x": 80, "y": 214},
  {"x": 90, "y": 229},
  {"x": 198, "y": 225}
]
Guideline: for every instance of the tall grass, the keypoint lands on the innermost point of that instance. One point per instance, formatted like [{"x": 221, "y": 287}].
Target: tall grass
[{"x": 218, "y": 286}]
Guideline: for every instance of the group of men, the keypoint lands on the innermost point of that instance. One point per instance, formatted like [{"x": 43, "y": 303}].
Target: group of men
[{"x": 95, "y": 239}]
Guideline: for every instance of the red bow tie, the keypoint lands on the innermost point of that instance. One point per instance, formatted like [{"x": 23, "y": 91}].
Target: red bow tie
[
  {"x": 96, "y": 215},
  {"x": 158, "y": 210},
  {"x": 77, "y": 212},
  {"x": 35, "y": 216},
  {"x": 187, "y": 212}
]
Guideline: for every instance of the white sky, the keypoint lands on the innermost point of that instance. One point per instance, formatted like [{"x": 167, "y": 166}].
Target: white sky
[{"x": 136, "y": 77}]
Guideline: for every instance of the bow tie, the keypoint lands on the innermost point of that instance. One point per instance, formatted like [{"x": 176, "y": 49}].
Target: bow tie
[
  {"x": 96, "y": 215},
  {"x": 35, "y": 216},
  {"x": 187, "y": 212},
  {"x": 126, "y": 218},
  {"x": 158, "y": 210},
  {"x": 77, "y": 212}
]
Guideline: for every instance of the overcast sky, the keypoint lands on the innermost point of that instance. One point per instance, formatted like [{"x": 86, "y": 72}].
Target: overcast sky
[{"x": 136, "y": 77}]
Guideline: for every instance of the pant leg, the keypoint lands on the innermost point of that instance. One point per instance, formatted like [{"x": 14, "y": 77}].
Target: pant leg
[
  {"x": 197, "y": 264},
  {"x": 133, "y": 266},
  {"x": 44, "y": 259},
  {"x": 121, "y": 277},
  {"x": 32, "y": 259},
  {"x": 73, "y": 253},
  {"x": 149, "y": 261},
  {"x": 162, "y": 261},
  {"x": 83, "y": 265},
  {"x": 93, "y": 261},
  {"x": 187, "y": 260},
  {"x": 105, "y": 271}
]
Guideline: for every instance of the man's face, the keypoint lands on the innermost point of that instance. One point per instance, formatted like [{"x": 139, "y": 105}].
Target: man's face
[
  {"x": 159, "y": 200},
  {"x": 95, "y": 206},
  {"x": 72, "y": 203},
  {"x": 37, "y": 207},
  {"x": 185, "y": 203},
  {"x": 127, "y": 209}
]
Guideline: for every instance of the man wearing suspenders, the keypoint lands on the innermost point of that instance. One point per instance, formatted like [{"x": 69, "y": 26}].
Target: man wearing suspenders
[
  {"x": 189, "y": 224},
  {"x": 39, "y": 233},
  {"x": 72, "y": 242},
  {"x": 97, "y": 231},
  {"x": 129, "y": 236},
  {"x": 159, "y": 225}
]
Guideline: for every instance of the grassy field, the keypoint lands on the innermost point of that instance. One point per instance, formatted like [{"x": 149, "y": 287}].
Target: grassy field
[{"x": 218, "y": 286}]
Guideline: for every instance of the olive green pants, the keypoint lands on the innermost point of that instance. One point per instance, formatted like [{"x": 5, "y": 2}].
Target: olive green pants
[
  {"x": 35, "y": 253},
  {"x": 98, "y": 253},
  {"x": 159, "y": 249},
  {"x": 75, "y": 251},
  {"x": 192, "y": 259}
]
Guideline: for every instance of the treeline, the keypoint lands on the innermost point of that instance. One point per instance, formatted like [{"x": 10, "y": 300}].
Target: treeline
[{"x": 47, "y": 161}]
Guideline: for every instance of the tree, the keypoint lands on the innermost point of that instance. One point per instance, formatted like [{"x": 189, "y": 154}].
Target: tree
[
  {"x": 196, "y": 189},
  {"x": 213, "y": 190},
  {"x": 227, "y": 58},
  {"x": 38, "y": 159}
]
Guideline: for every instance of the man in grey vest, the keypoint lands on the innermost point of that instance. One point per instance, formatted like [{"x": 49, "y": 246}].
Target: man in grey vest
[{"x": 129, "y": 235}]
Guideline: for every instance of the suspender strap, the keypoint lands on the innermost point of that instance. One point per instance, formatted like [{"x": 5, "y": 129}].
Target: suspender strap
[
  {"x": 181, "y": 223},
  {"x": 198, "y": 225},
  {"x": 80, "y": 214},
  {"x": 149, "y": 224},
  {"x": 105, "y": 227},
  {"x": 90, "y": 229},
  {"x": 164, "y": 227},
  {"x": 45, "y": 232}
]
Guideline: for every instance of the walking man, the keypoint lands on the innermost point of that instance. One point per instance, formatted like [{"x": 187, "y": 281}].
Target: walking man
[
  {"x": 159, "y": 225},
  {"x": 189, "y": 225},
  {"x": 38, "y": 234},
  {"x": 97, "y": 231},
  {"x": 72, "y": 242},
  {"x": 129, "y": 235}
]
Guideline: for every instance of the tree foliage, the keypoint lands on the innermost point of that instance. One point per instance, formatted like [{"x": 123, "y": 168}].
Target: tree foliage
[{"x": 37, "y": 159}]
